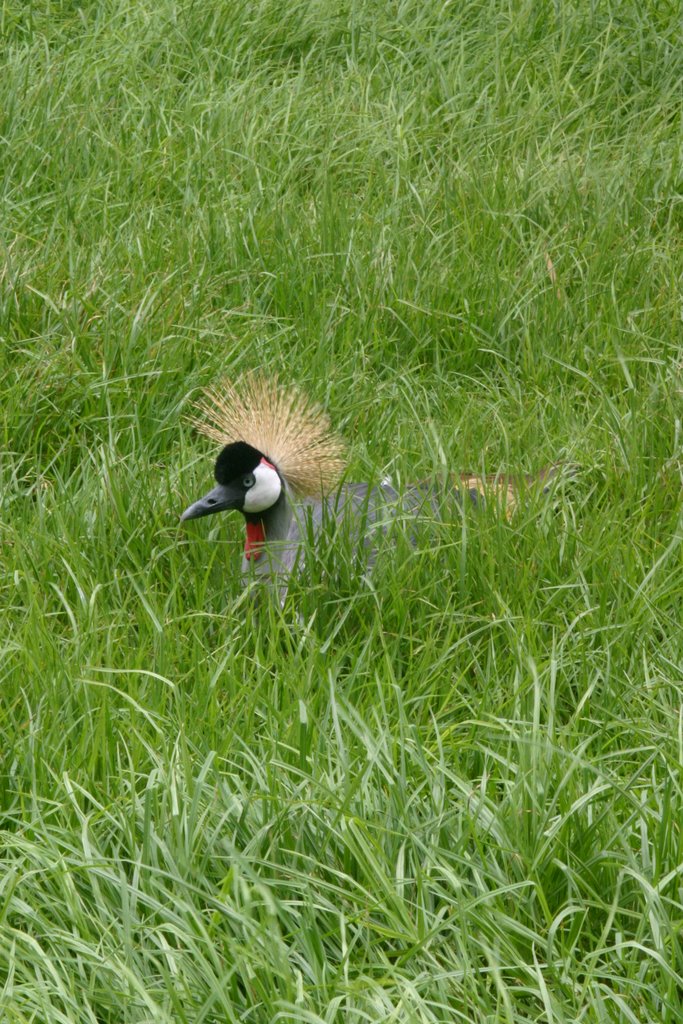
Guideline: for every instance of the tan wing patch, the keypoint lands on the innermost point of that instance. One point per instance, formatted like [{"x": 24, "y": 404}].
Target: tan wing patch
[{"x": 502, "y": 486}]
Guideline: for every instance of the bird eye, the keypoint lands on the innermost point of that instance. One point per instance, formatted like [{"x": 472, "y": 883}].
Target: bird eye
[{"x": 248, "y": 481}]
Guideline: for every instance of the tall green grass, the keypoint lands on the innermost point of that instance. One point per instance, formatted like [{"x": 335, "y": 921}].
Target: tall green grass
[{"x": 450, "y": 791}]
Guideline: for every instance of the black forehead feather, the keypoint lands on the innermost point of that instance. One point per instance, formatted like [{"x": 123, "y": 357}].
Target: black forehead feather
[{"x": 235, "y": 460}]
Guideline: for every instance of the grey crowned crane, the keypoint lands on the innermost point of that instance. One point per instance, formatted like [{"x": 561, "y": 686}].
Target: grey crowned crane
[{"x": 280, "y": 466}]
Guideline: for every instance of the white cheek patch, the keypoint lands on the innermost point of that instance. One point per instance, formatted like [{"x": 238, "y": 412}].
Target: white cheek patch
[{"x": 266, "y": 490}]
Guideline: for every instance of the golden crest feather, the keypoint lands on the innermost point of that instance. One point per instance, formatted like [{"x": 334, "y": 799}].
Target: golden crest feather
[{"x": 282, "y": 423}]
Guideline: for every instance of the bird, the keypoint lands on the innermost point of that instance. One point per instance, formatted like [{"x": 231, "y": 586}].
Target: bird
[{"x": 283, "y": 467}]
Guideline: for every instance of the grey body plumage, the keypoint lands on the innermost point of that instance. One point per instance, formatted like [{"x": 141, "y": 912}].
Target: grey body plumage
[
  {"x": 365, "y": 513},
  {"x": 289, "y": 525}
]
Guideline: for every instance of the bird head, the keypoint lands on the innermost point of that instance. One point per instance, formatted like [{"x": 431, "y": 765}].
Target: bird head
[
  {"x": 274, "y": 441},
  {"x": 245, "y": 481}
]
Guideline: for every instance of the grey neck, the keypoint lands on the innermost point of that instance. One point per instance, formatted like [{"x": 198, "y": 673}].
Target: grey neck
[
  {"x": 278, "y": 556},
  {"x": 276, "y": 520}
]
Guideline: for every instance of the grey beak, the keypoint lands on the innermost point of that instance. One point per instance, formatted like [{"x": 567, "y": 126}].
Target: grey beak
[{"x": 220, "y": 499}]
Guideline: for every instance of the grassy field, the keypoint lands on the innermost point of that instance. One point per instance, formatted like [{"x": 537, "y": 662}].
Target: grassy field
[{"x": 453, "y": 791}]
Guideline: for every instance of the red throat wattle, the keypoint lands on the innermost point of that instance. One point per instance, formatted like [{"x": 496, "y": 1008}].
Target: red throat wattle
[{"x": 255, "y": 537}]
